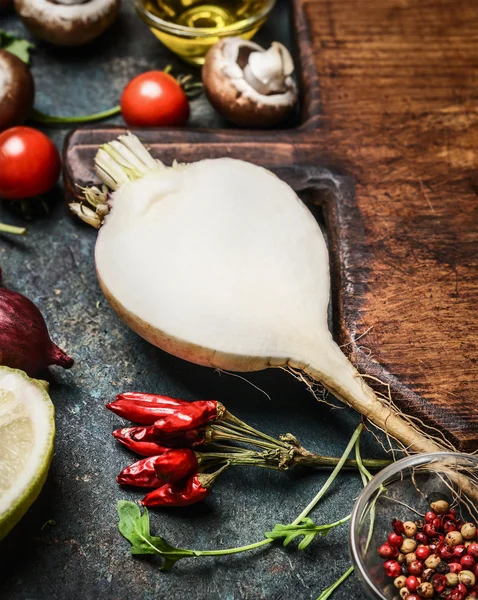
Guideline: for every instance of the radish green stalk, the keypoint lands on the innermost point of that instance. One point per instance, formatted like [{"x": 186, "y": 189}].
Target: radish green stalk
[
  {"x": 220, "y": 263},
  {"x": 4, "y": 228},
  {"x": 38, "y": 116}
]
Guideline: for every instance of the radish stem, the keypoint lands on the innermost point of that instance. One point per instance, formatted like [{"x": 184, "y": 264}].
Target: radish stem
[
  {"x": 38, "y": 116},
  {"x": 330, "y": 590},
  {"x": 332, "y": 476},
  {"x": 4, "y": 228}
]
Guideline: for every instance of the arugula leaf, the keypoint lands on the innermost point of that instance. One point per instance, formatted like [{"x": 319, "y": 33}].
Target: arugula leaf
[
  {"x": 134, "y": 526},
  {"x": 15, "y": 45},
  {"x": 306, "y": 529}
]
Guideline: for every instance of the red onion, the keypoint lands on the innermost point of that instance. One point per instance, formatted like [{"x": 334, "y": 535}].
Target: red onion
[{"x": 24, "y": 339}]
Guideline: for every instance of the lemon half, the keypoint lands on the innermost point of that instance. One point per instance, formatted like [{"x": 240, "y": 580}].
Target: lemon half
[{"x": 27, "y": 434}]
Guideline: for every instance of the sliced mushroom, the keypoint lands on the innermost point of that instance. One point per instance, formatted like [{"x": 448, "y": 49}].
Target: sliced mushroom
[
  {"x": 67, "y": 22},
  {"x": 248, "y": 85},
  {"x": 17, "y": 90}
]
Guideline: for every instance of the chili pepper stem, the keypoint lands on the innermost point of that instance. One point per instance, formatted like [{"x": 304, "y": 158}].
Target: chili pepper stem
[
  {"x": 277, "y": 462},
  {"x": 230, "y": 417},
  {"x": 207, "y": 479},
  {"x": 225, "y": 448},
  {"x": 222, "y": 432},
  {"x": 265, "y": 440},
  {"x": 319, "y": 461}
]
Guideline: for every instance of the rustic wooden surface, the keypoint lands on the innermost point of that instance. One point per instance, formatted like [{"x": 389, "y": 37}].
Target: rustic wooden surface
[{"x": 393, "y": 137}]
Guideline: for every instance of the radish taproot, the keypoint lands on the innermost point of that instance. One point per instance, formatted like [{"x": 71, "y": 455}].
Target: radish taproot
[{"x": 220, "y": 263}]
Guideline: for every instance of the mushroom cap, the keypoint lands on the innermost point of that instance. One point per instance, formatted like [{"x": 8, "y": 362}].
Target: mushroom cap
[
  {"x": 17, "y": 90},
  {"x": 67, "y": 24},
  {"x": 233, "y": 96}
]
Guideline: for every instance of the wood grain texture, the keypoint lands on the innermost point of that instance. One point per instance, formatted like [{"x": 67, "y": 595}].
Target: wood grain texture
[
  {"x": 398, "y": 87},
  {"x": 393, "y": 151}
]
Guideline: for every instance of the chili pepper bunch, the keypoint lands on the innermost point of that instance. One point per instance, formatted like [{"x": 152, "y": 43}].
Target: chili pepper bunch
[
  {"x": 171, "y": 428},
  {"x": 186, "y": 445}
]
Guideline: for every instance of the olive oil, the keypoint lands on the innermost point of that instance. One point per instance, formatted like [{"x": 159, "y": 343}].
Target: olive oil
[{"x": 207, "y": 22}]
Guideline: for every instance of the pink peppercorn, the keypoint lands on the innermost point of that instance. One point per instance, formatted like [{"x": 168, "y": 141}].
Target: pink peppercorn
[
  {"x": 397, "y": 526},
  {"x": 394, "y": 539},
  {"x": 421, "y": 537},
  {"x": 392, "y": 568},
  {"x": 387, "y": 551},
  {"x": 449, "y": 526},
  {"x": 459, "y": 550},
  {"x": 415, "y": 567},
  {"x": 422, "y": 552},
  {"x": 467, "y": 561},
  {"x": 446, "y": 552},
  {"x": 473, "y": 550},
  {"x": 455, "y": 567},
  {"x": 439, "y": 583},
  {"x": 412, "y": 583},
  {"x": 429, "y": 530}
]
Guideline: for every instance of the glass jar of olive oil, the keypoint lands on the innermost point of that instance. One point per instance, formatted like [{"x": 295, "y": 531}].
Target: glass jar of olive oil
[{"x": 190, "y": 27}]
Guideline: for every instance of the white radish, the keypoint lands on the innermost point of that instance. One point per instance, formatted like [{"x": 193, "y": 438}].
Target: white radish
[{"x": 220, "y": 263}]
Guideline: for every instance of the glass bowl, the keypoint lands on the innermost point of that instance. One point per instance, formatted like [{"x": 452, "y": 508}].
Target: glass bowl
[
  {"x": 202, "y": 24},
  {"x": 414, "y": 482}
]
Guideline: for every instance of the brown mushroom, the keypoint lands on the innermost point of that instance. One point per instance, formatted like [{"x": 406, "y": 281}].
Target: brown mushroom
[
  {"x": 248, "y": 85},
  {"x": 17, "y": 90},
  {"x": 67, "y": 22}
]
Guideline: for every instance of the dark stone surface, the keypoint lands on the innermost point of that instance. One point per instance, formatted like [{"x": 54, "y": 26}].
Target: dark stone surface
[{"x": 83, "y": 555}]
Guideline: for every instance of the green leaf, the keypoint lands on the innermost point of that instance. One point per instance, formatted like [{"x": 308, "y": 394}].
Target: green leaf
[
  {"x": 17, "y": 46},
  {"x": 306, "y": 529},
  {"x": 134, "y": 526}
]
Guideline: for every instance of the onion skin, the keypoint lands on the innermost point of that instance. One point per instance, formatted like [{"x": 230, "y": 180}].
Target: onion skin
[{"x": 25, "y": 343}]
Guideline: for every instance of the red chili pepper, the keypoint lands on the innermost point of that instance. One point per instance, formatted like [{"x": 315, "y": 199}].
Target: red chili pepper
[
  {"x": 147, "y": 441},
  {"x": 195, "y": 489},
  {"x": 155, "y": 471},
  {"x": 141, "y": 447},
  {"x": 170, "y": 415}
]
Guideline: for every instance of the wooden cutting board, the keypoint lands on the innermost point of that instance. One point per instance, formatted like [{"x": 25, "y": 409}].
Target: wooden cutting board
[{"x": 389, "y": 145}]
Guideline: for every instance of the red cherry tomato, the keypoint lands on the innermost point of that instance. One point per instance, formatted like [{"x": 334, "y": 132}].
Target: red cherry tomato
[
  {"x": 29, "y": 163},
  {"x": 154, "y": 99}
]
